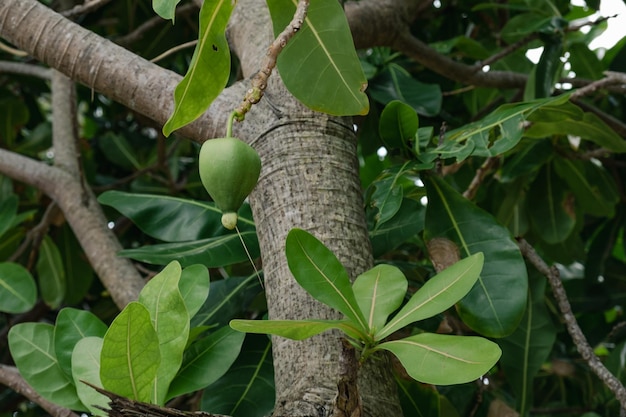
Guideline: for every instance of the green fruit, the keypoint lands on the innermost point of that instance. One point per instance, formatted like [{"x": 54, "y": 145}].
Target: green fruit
[{"x": 229, "y": 170}]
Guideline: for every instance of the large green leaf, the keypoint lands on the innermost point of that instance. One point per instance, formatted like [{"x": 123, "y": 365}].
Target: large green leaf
[
  {"x": 553, "y": 211},
  {"x": 71, "y": 326},
  {"x": 395, "y": 83},
  {"x": 212, "y": 252},
  {"x": 437, "y": 294},
  {"x": 321, "y": 274},
  {"x": 495, "y": 134},
  {"x": 130, "y": 354},
  {"x": 319, "y": 65},
  {"x": 51, "y": 274},
  {"x": 86, "y": 367},
  {"x": 247, "y": 389},
  {"x": 206, "y": 361},
  {"x": 209, "y": 68},
  {"x": 170, "y": 319},
  {"x": 194, "y": 286},
  {"x": 32, "y": 349},
  {"x": 524, "y": 351},
  {"x": 442, "y": 359},
  {"x": 172, "y": 219},
  {"x": 379, "y": 292},
  {"x": 496, "y": 303},
  {"x": 296, "y": 329},
  {"x": 18, "y": 292}
]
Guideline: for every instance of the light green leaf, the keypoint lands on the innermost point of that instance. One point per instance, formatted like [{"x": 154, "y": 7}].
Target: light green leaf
[
  {"x": 379, "y": 292},
  {"x": 496, "y": 303},
  {"x": 212, "y": 252},
  {"x": 438, "y": 294},
  {"x": 51, "y": 273},
  {"x": 398, "y": 125},
  {"x": 319, "y": 66},
  {"x": 321, "y": 274},
  {"x": 165, "y": 8},
  {"x": 296, "y": 329},
  {"x": 194, "y": 286},
  {"x": 18, "y": 292},
  {"x": 170, "y": 319},
  {"x": 86, "y": 367},
  {"x": 71, "y": 326},
  {"x": 442, "y": 359},
  {"x": 206, "y": 361},
  {"x": 32, "y": 349},
  {"x": 209, "y": 68},
  {"x": 130, "y": 354}
]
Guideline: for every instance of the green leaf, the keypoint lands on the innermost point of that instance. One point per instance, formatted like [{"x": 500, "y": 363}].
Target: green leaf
[
  {"x": 525, "y": 351},
  {"x": 194, "y": 286},
  {"x": 552, "y": 212},
  {"x": 442, "y": 359},
  {"x": 496, "y": 303},
  {"x": 438, "y": 294},
  {"x": 165, "y": 8},
  {"x": 130, "y": 354},
  {"x": 32, "y": 349},
  {"x": 296, "y": 329},
  {"x": 398, "y": 125},
  {"x": 14, "y": 114},
  {"x": 170, "y": 319},
  {"x": 118, "y": 151},
  {"x": 8, "y": 212},
  {"x": 86, "y": 367},
  {"x": 212, "y": 252},
  {"x": 206, "y": 361},
  {"x": 51, "y": 274},
  {"x": 78, "y": 272},
  {"x": 379, "y": 292},
  {"x": 172, "y": 219},
  {"x": 18, "y": 291},
  {"x": 585, "y": 62},
  {"x": 247, "y": 389},
  {"x": 395, "y": 83},
  {"x": 319, "y": 66},
  {"x": 418, "y": 399},
  {"x": 407, "y": 222},
  {"x": 71, "y": 326},
  {"x": 529, "y": 158},
  {"x": 495, "y": 134},
  {"x": 548, "y": 66},
  {"x": 321, "y": 274},
  {"x": 209, "y": 68},
  {"x": 228, "y": 298},
  {"x": 595, "y": 190}
]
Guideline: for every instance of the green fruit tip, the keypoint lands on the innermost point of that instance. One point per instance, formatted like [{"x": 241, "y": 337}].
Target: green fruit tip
[{"x": 229, "y": 220}]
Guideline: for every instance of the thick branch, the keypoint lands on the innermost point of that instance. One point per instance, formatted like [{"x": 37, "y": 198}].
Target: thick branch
[
  {"x": 585, "y": 350},
  {"x": 10, "y": 377}
]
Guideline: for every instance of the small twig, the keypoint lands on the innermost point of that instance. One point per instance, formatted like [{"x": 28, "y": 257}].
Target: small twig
[
  {"x": 11, "y": 50},
  {"x": 174, "y": 50},
  {"x": 259, "y": 81},
  {"x": 611, "y": 78},
  {"x": 36, "y": 234},
  {"x": 87, "y": 7},
  {"x": 23, "y": 68},
  {"x": 489, "y": 164},
  {"x": 505, "y": 51},
  {"x": 579, "y": 339}
]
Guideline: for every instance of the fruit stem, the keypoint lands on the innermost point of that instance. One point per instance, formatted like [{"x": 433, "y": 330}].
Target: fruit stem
[{"x": 229, "y": 125}]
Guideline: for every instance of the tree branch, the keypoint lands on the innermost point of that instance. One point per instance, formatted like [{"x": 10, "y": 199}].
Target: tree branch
[
  {"x": 586, "y": 351},
  {"x": 11, "y": 377},
  {"x": 23, "y": 68}
]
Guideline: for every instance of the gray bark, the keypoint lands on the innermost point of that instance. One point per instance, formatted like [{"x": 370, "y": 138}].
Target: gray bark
[{"x": 309, "y": 180}]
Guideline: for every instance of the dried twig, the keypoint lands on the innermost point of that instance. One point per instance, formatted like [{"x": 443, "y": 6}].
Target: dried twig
[
  {"x": 259, "y": 81},
  {"x": 489, "y": 164},
  {"x": 579, "y": 339}
]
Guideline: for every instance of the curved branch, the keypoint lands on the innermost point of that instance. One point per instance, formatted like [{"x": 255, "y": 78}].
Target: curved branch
[{"x": 10, "y": 377}]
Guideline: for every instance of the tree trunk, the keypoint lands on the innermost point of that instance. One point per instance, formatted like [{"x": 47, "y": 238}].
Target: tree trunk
[{"x": 309, "y": 180}]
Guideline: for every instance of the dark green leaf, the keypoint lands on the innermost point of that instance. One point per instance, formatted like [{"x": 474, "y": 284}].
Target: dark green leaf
[
  {"x": 319, "y": 66},
  {"x": 130, "y": 354},
  {"x": 32, "y": 349},
  {"x": 78, "y": 272},
  {"x": 212, "y": 253},
  {"x": 247, "y": 389},
  {"x": 496, "y": 303},
  {"x": 118, "y": 151},
  {"x": 209, "y": 68},
  {"x": 14, "y": 114},
  {"x": 395, "y": 83},
  {"x": 407, "y": 222},
  {"x": 321, "y": 274},
  {"x": 530, "y": 157},
  {"x": 51, "y": 274},
  {"x": 206, "y": 361},
  {"x": 18, "y": 292},
  {"x": 585, "y": 63},
  {"x": 398, "y": 125},
  {"x": 442, "y": 359},
  {"x": 418, "y": 400},
  {"x": 8, "y": 212}
]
